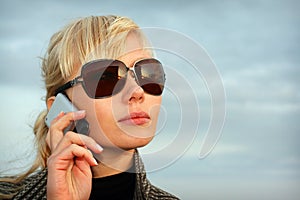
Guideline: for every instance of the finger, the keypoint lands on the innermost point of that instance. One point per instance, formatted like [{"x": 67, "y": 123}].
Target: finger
[
  {"x": 55, "y": 137},
  {"x": 78, "y": 139},
  {"x": 80, "y": 152},
  {"x": 61, "y": 122},
  {"x": 64, "y": 159},
  {"x": 48, "y": 133},
  {"x": 90, "y": 143},
  {"x": 83, "y": 166}
]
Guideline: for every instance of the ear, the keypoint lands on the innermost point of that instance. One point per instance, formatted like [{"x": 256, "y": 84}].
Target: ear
[{"x": 50, "y": 101}]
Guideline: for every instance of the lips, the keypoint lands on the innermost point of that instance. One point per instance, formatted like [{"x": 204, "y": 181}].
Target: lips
[{"x": 135, "y": 118}]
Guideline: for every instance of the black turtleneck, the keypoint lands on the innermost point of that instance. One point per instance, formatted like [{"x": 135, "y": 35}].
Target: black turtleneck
[{"x": 119, "y": 186}]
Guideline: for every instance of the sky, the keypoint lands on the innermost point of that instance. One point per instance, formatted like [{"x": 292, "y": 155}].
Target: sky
[{"x": 252, "y": 49}]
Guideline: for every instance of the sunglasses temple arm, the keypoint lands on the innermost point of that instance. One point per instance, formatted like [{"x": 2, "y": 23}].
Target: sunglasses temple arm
[{"x": 67, "y": 86}]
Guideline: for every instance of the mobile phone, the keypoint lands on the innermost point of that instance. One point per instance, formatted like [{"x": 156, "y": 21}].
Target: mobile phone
[{"x": 63, "y": 104}]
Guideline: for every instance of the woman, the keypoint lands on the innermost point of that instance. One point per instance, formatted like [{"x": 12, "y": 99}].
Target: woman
[{"x": 101, "y": 64}]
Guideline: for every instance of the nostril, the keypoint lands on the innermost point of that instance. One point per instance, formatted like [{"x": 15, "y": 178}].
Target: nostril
[{"x": 137, "y": 95}]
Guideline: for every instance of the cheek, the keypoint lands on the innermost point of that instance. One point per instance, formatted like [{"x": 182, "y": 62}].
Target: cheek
[
  {"x": 98, "y": 114},
  {"x": 103, "y": 113},
  {"x": 153, "y": 105},
  {"x": 154, "y": 109},
  {"x": 103, "y": 122}
]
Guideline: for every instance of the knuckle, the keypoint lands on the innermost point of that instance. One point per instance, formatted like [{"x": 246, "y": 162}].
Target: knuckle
[
  {"x": 89, "y": 152},
  {"x": 69, "y": 134},
  {"x": 52, "y": 127},
  {"x": 50, "y": 160},
  {"x": 74, "y": 146},
  {"x": 81, "y": 139},
  {"x": 69, "y": 115},
  {"x": 74, "y": 138}
]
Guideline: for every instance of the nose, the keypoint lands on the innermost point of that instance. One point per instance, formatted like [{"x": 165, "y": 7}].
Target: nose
[
  {"x": 133, "y": 93},
  {"x": 137, "y": 96}
]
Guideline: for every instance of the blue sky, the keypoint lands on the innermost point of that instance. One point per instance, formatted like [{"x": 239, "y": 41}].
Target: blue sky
[{"x": 255, "y": 47}]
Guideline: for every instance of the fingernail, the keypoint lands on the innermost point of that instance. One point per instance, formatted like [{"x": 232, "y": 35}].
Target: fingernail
[
  {"x": 79, "y": 113},
  {"x": 95, "y": 161},
  {"x": 90, "y": 152},
  {"x": 99, "y": 147}
]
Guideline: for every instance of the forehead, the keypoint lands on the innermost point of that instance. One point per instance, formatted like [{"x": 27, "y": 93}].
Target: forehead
[
  {"x": 133, "y": 42},
  {"x": 134, "y": 50},
  {"x": 130, "y": 58}
]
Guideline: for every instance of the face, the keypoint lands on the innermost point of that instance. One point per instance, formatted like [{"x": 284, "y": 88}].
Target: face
[{"x": 126, "y": 120}]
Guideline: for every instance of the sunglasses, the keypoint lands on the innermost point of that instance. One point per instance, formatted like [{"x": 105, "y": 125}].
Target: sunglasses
[{"x": 105, "y": 78}]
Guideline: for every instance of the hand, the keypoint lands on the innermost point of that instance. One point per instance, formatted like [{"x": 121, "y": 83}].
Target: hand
[{"x": 69, "y": 166}]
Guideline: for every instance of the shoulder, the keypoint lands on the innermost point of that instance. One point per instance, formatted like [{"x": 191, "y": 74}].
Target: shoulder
[
  {"x": 8, "y": 188},
  {"x": 144, "y": 188},
  {"x": 32, "y": 187},
  {"x": 157, "y": 193}
]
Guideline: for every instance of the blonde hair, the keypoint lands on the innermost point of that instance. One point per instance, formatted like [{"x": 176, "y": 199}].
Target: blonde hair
[{"x": 75, "y": 44}]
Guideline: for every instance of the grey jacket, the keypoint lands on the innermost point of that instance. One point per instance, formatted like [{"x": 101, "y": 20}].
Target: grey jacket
[{"x": 34, "y": 187}]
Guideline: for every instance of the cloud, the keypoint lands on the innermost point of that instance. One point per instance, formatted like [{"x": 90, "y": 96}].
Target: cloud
[
  {"x": 255, "y": 47},
  {"x": 19, "y": 107}
]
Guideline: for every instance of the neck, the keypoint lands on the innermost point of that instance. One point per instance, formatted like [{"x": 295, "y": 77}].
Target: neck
[{"x": 112, "y": 161}]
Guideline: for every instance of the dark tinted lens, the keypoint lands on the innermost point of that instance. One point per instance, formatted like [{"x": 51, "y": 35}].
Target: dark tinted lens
[
  {"x": 104, "y": 78},
  {"x": 151, "y": 76}
]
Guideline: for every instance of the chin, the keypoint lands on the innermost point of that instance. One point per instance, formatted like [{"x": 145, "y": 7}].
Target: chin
[{"x": 134, "y": 143}]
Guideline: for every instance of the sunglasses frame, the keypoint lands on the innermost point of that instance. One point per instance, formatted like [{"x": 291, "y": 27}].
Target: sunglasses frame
[{"x": 79, "y": 79}]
